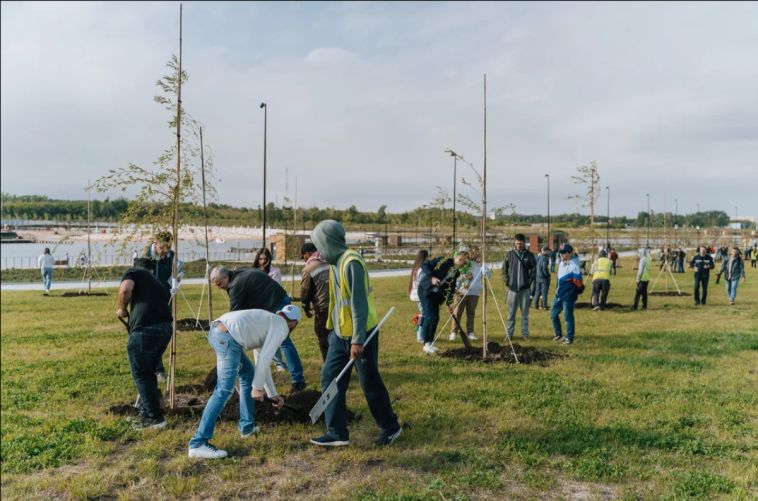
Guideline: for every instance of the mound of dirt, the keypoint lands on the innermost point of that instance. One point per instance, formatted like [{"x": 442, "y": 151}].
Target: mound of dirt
[
  {"x": 608, "y": 306},
  {"x": 82, "y": 293},
  {"x": 498, "y": 353},
  {"x": 669, "y": 293},
  {"x": 190, "y": 324}
]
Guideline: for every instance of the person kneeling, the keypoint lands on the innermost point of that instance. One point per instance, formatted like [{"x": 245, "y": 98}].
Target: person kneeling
[{"x": 230, "y": 336}]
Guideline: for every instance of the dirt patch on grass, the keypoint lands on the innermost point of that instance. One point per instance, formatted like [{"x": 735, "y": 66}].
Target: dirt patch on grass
[
  {"x": 608, "y": 306},
  {"x": 190, "y": 324},
  {"x": 498, "y": 353},
  {"x": 669, "y": 293},
  {"x": 82, "y": 293}
]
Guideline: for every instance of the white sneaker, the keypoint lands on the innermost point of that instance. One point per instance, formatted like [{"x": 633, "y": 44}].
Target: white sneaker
[
  {"x": 206, "y": 451},
  {"x": 471, "y": 336},
  {"x": 452, "y": 336},
  {"x": 429, "y": 348},
  {"x": 252, "y": 432},
  {"x": 279, "y": 368}
]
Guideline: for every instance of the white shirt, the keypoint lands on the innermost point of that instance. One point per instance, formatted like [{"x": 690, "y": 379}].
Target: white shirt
[
  {"x": 258, "y": 329},
  {"x": 45, "y": 261}
]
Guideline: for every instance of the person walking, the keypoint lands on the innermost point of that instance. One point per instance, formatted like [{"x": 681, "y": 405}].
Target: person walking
[
  {"x": 351, "y": 316},
  {"x": 421, "y": 256},
  {"x": 570, "y": 285},
  {"x": 732, "y": 268},
  {"x": 542, "y": 279},
  {"x": 150, "y": 331},
  {"x": 702, "y": 264},
  {"x": 251, "y": 289},
  {"x": 45, "y": 261},
  {"x": 230, "y": 335},
  {"x": 680, "y": 260},
  {"x": 601, "y": 281},
  {"x": 643, "y": 279},
  {"x": 518, "y": 274},
  {"x": 314, "y": 293},
  {"x": 613, "y": 256},
  {"x": 468, "y": 288},
  {"x": 436, "y": 286}
]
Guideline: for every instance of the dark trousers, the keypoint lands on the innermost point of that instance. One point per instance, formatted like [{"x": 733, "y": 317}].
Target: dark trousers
[
  {"x": 600, "y": 289},
  {"x": 431, "y": 317},
  {"x": 322, "y": 333},
  {"x": 371, "y": 383},
  {"x": 613, "y": 267},
  {"x": 641, "y": 292},
  {"x": 541, "y": 290},
  {"x": 145, "y": 348},
  {"x": 701, "y": 281}
]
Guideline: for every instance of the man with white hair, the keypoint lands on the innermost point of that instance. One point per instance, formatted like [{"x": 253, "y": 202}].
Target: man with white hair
[{"x": 230, "y": 335}]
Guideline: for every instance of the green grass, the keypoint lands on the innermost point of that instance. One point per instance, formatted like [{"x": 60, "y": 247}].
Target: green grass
[{"x": 654, "y": 405}]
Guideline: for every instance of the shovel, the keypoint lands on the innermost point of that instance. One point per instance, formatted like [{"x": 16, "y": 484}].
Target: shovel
[
  {"x": 331, "y": 391},
  {"x": 462, "y": 333}
]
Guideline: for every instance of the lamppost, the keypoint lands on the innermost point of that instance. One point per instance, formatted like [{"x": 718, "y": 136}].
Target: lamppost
[
  {"x": 676, "y": 226},
  {"x": 648, "y": 220},
  {"x": 265, "y": 125},
  {"x": 549, "y": 242},
  {"x": 455, "y": 179},
  {"x": 608, "y": 221}
]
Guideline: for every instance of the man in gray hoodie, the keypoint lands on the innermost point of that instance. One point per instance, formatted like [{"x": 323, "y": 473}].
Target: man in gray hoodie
[{"x": 351, "y": 316}]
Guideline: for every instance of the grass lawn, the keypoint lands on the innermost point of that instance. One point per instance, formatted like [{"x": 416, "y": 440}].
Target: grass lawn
[{"x": 660, "y": 404}]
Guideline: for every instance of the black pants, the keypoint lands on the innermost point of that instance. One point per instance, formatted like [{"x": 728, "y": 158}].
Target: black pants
[
  {"x": 701, "y": 280},
  {"x": 600, "y": 289},
  {"x": 322, "y": 333},
  {"x": 641, "y": 292},
  {"x": 371, "y": 383},
  {"x": 145, "y": 349}
]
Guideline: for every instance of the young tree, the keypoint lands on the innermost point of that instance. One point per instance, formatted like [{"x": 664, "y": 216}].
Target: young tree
[{"x": 588, "y": 177}]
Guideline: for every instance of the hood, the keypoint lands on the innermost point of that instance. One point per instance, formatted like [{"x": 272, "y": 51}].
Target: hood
[{"x": 329, "y": 237}]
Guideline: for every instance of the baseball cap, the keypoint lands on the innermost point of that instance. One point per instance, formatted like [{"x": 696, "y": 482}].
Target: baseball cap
[
  {"x": 565, "y": 249},
  {"x": 307, "y": 247},
  {"x": 292, "y": 312}
]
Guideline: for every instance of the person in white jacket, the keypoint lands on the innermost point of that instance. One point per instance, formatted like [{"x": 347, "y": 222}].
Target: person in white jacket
[
  {"x": 230, "y": 335},
  {"x": 46, "y": 262}
]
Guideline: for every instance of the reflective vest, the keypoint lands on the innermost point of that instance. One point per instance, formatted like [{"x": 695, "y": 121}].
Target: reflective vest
[
  {"x": 602, "y": 269},
  {"x": 340, "y": 297},
  {"x": 645, "y": 275}
]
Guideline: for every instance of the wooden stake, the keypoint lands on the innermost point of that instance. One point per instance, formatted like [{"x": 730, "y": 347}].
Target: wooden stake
[
  {"x": 205, "y": 217},
  {"x": 484, "y": 224}
]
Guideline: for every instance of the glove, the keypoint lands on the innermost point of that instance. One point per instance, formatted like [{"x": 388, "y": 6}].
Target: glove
[{"x": 174, "y": 286}]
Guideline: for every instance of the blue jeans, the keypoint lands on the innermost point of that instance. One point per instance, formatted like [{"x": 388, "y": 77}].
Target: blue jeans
[
  {"x": 371, "y": 383},
  {"x": 420, "y": 324},
  {"x": 231, "y": 360},
  {"x": 731, "y": 288},
  {"x": 145, "y": 349},
  {"x": 47, "y": 277},
  {"x": 431, "y": 318},
  {"x": 567, "y": 306},
  {"x": 294, "y": 365}
]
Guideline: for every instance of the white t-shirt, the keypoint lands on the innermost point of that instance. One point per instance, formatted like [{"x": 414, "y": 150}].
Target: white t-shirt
[
  {"x": 45, "y": 261},
  {"x": 258, "y": 329}
]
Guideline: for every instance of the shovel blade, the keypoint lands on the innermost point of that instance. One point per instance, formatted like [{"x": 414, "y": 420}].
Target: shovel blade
[{"x": 327, "y": 396}]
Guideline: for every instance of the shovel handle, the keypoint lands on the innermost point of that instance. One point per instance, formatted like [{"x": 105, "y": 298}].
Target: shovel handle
[{"x": 124, "y": 322}]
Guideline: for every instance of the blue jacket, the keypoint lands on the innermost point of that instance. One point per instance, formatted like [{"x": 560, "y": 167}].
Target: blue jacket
[{"x": 569, "y": 281}]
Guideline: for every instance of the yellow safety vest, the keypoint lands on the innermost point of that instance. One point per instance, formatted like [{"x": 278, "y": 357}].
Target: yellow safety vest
[
  {"x": 602, "y": 269},
  {"x": 341, "y": 298},
  {"x": 645, "y": 275}
]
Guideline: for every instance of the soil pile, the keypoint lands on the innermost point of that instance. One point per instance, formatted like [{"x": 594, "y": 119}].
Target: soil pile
[
  {"x": 608, "y": 306},
  {"x": 190, "y": 324},
  {"x": 669, "y": 293},
  {"x": 498, "y": 353},
  {"x": 82, "y": 293}
]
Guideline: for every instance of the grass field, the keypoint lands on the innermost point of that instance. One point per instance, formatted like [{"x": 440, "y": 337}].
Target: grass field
[{"x": 660, "y": 404}]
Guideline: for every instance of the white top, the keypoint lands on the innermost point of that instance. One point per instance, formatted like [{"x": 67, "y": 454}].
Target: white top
[
  {"x": 414, "y": 286},
  {"x": 45, "y": 261},
  {"x": 276, "y": 274},
  {"x": 258, "y": 329}
]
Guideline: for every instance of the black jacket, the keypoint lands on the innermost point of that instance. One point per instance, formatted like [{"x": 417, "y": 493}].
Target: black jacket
[
  {"x": 519, "y": 272},
  {"x": 443, "y": 269},
  {"x": 702, "y": 265},
  {"x": 252, "y": 289}
]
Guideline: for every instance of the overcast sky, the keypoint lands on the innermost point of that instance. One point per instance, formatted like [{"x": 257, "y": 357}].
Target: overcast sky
[{"x": 365, "y": 97}]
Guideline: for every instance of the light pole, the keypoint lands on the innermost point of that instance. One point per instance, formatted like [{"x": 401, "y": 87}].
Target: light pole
[
  {"x": 455, "y": 179},
  {"x": 676, "y": 227},
  {"x": 608, "y": 221},
  {"x": 648, "y": 220},
  {"x": 549, "y": 242},
  {"x": 265, "y": 125}
]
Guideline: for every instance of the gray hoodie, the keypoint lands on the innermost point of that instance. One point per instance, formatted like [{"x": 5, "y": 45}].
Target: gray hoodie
[{"x": 329, "y": 238}]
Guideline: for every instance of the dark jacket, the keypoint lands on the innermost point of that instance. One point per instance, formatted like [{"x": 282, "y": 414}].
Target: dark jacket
[
  {"x": 519, "y": 272},
  {"x": 737, "y": 271},
  {"x": 443, "y": 269},
  {"x": 702, "y": 265},
  {"x": 251, "y": 289},
  {"x": 314, "y": 285},
  {"x": 542, "y": 272}
]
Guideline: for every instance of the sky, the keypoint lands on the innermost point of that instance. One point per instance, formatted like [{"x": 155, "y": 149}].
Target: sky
[{"x": 364, "y": 98}]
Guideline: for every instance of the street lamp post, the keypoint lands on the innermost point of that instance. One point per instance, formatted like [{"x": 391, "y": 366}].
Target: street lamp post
[
  {"x": 549, "y": 242},
  {"x": 265, "y": 125},
  {"x": 648, "y": 219},
  {"x": 608, "y": 221}
]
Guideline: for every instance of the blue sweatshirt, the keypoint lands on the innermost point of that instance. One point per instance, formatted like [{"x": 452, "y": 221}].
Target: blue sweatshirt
[{"x": 569, "y": 280}]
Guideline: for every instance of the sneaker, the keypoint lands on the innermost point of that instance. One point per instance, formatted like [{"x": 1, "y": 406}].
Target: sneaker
[
  {"x": 298, "y": 387},
  {"x": 386, "y": 437},
  {"x": 452, "y": 336},
  {"x": 329, "y": 441},
  {"x": 471, "y": 336},
  {"x": 280, "y": 368},
  {"x": 206, "y": 451},
  {"x": 731, "y": 302},
  {"x": 557, "y": 337},
  {"x": 567, "y": 341},
  {"x": 596, "y": 308},
  {"x": 525, "y": 336},
  {"x": 429, "y": 348},
  {"x": 254, "y": 431},
  {"x": 149, "y": 424}
]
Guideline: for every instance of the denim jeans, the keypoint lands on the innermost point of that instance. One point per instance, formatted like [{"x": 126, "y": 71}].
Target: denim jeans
[
  {"x": 431, "y": 318},
  {"x": 731, "y": 288},
  {"x": 516, "y": 300},
  {"x": 47, "y": 277},
  {"x": 541, "y": 290},
  {"x": 145, "y": 348},
  {"x": 294, "y": 365},
  {"x": 567, "y": 307},
  {"x": 371, "y": 383},
  {"x": 231, "y": 360},
  {"x": 420, "y": 324}
]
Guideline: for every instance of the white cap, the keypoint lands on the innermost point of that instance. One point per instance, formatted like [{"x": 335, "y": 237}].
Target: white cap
[{"x": 292, "y": 312}]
